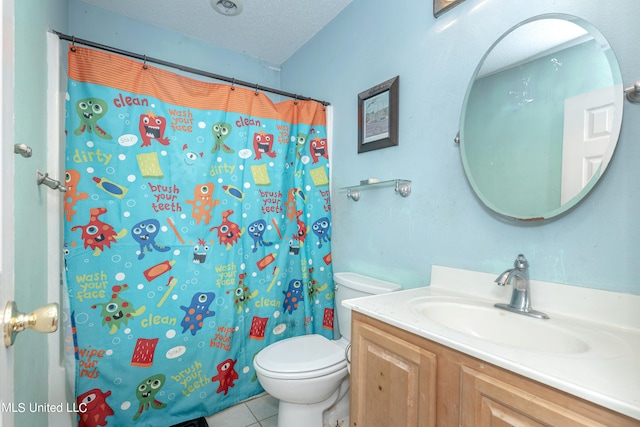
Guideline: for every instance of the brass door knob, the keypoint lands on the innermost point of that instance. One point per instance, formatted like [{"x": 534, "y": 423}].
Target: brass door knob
[{"x": 43, "y": 319}]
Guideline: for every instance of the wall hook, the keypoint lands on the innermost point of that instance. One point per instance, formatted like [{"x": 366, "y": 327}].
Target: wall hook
[
  {"x": 50, "y": 182},
  {"x": 23, "y": 149},
  {"x": 633, "y": 93}
]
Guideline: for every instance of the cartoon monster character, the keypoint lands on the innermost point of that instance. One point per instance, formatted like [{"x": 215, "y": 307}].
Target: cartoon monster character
[
  {"x": 293, "y": 296},
  {"x": 90, "y": 110},
  {"x": 146, "y": 394},
  {"x": 318, "y": 148},
  {"x": 226, "y": 375},
  {"x": 291, "y": 202},
  {"x": 203, "y": 202},
  {"x": 72, "y": 196},
  {"x": 242, "y": 295},
  {"x": 301, "y": 139},
  {"x": 263, "y": 144},
  {"x": 301, "y": 235},
  {"x": 197, "y": 312},
  {"x": 312, "y": 286},
  {"x": 200, "y": 252},
  {"x": 117, "y": 311},
  {"x": 93, "y": 408},
  {"x": 321, "y": 229},
  {"x": 97, "y": 234},
  {"x": 221, "y": 131},
  {"x": 294, "y": 247},
  {"x": 190, "y": 157},
  {"x": 256, "y": 231},
  {"x": 152, "y": 127},
  {"x": 145, "y": 233},
  {"x": 228, "y": 232}
]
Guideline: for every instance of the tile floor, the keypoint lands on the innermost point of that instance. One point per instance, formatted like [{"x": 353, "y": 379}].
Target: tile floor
[{"x": 261, "y": 411}]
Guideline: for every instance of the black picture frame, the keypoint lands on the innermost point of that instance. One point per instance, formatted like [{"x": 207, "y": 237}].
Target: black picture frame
[
  {"x": 441, "y": 6},
  {"x": 378, "y": 116}
]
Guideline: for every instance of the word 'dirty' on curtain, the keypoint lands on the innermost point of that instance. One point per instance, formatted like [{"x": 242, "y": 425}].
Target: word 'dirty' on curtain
[{"x": 197, "y": 232}]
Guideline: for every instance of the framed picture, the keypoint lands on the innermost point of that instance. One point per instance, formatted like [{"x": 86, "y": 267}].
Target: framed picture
[
  {"x": 378, "y": 116},
  {"x": 441, "y": 6}
]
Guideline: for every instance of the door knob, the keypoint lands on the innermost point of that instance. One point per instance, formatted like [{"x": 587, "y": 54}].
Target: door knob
[{"x": 43, "y": 319}]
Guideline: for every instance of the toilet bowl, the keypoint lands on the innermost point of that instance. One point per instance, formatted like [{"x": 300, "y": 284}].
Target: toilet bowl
[
  {"x": 309, "y": 374},
  {"x": 304, "y": 374}
]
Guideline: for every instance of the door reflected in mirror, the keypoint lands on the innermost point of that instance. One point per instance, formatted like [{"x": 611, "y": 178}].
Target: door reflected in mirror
[{"x": 541, "y": 117}]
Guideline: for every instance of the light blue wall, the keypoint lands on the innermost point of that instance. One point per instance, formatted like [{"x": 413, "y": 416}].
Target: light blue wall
[
  {"x": 104, "y": 27},
  {"x": 442, "y": 222}
]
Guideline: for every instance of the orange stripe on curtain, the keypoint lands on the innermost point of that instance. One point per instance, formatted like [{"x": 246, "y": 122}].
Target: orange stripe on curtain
[{"x": 129, "y": 75}]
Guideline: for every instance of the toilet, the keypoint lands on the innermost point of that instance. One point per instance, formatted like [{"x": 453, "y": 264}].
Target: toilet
[{"x": 310, "y": 374}]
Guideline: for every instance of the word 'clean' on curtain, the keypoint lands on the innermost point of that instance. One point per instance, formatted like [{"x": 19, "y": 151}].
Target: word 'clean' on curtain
[{"x": 197, "y": 232}]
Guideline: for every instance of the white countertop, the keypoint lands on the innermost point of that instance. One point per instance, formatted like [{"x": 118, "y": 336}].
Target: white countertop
[{"x": 609, "y": 377}]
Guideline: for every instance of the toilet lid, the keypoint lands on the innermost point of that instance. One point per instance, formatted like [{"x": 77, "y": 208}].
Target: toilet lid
[{"x": 301, "y": 354}]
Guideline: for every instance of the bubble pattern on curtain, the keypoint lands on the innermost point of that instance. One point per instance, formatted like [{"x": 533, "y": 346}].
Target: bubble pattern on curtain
[{"x": 197, "y": 232}]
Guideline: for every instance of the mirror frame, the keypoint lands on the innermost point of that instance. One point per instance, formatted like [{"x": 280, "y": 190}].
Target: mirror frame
[{"x": 618, "y": 100}]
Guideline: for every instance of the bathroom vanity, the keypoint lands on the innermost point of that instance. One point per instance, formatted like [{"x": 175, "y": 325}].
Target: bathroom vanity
[{"x": 414, "y": 366}]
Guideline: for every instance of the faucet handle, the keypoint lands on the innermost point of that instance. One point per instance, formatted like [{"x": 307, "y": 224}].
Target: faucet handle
[{"x": 521, "y": 262}]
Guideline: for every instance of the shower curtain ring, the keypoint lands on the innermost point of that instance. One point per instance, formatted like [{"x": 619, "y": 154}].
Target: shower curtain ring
[
  {"x": 295, "y": 99},
  {"x": 257, "y": 89},
  {"x": 233, "y": 83},
  {"x": 144, "y": 64},
  {"x": 73, "y": 43}
]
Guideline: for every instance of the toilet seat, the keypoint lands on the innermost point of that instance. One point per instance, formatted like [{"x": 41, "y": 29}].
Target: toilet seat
[{"x": 302, "y": 357}]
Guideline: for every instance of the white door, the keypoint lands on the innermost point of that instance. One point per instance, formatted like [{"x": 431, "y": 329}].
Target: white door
[
  {"x": 6, "y": 200},
  {"x": 59, "y": 391},
  {"x": 10, "y": 410},
  {"x": 589, "y": 120}
]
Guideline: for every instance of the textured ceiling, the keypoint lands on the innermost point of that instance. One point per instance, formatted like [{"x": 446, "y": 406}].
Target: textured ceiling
[{"x": 271, "y": 30}]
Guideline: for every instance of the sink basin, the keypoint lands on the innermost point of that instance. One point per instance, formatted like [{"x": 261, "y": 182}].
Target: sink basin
[{"x": 482, "y": 320}]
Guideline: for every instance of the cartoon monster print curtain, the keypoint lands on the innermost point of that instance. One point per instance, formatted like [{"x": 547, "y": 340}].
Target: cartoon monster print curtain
[{"x": 197, "y": 232}]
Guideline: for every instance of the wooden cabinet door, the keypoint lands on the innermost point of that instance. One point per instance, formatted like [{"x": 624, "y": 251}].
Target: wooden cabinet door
[
  {"x": 488, "y": 400},
  {"x": 393, "y": 382}
]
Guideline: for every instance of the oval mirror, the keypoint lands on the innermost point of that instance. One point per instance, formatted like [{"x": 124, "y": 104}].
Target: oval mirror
[{"x": 541, "y": 117}]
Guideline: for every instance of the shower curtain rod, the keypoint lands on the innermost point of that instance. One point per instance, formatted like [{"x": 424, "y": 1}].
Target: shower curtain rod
[{"x": 145, "y": 59}]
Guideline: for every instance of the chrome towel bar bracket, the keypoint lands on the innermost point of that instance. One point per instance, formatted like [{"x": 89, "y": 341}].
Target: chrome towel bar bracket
[{"x": 633, "y": 93}]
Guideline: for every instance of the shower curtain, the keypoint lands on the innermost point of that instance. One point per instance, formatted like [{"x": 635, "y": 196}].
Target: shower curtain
[{"x": 197, "y": 232}]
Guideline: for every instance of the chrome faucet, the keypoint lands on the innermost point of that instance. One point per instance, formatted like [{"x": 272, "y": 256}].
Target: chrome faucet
[{"x": 518, "y": 277}]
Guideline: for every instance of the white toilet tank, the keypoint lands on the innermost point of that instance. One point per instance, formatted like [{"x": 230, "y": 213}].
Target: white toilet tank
[{"x": 353, "y": 285}]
